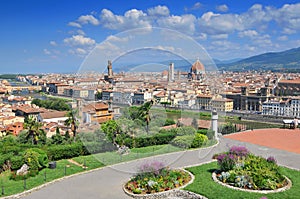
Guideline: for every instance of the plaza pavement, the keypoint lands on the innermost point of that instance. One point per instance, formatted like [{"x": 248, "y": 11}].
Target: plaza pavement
[{"x": 106, "y": 183}]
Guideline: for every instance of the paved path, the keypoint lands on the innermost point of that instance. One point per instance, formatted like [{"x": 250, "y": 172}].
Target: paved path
[
  {"x": 286, "y": 139},
  {"x": 107, "y": 183}
]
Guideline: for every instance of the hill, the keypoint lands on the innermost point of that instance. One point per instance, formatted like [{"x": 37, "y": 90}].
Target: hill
[{"x": 288, "y": 60}]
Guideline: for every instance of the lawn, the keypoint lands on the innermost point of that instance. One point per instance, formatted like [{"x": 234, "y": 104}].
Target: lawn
[
  {"x": 65, "y": 168},
  {"x": 204, "y": 185}
]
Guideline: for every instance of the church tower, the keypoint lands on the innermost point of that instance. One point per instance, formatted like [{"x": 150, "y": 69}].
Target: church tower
[{"x": 109, "y": 69}]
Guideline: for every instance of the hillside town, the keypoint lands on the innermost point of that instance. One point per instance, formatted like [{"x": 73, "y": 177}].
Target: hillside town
[{"x": 100, "y": 96}]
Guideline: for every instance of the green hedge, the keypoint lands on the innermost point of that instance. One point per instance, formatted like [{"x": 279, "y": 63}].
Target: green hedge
[
  {"x": 157, "y": 139},
  {"x": 58, "y": 152}
]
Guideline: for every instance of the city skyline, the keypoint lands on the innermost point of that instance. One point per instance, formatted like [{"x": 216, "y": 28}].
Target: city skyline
[{"x": 56, "y": 36}]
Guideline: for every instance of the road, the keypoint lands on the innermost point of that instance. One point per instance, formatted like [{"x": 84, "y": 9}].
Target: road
[{"x": 107, "y": 182}]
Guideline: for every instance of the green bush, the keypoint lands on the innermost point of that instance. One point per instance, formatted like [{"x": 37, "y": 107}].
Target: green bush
[
  {"x": 184, "y": 141},
  {"x": 58, "y": 152},
  {"x": 31, "y": 158},
  {"x": 157, "y": 139},
  {"x": 43, "y": 158},
  {"x": 17, "y": 162},
  {"x": 16, "y": 177},
  {"x": 186, "y": 130},
  {"x": 199, "y": 140}
]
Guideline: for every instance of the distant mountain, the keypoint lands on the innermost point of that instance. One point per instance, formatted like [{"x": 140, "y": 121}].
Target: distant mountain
[{"x": 288, "y": 60}]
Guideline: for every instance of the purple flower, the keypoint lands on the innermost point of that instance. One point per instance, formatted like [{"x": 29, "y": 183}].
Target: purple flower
[
  {"x": 271, "y": 159},
  {"x": 239, "y": 151},
  {"x": 151, "y": 167},
  {"x": 226, "y": 161}
]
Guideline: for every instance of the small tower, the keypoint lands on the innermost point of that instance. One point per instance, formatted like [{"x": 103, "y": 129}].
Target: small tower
[
  {"x": 109, "y": 69},
  {"x": 214, "y": 122},
  {"x": 171, "y": 72}
]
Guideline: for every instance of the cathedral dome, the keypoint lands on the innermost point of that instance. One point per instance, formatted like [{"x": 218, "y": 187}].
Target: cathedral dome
[{"x": 198, "y": 66}]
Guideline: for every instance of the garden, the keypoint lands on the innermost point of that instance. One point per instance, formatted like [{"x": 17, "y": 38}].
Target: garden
[
  {"x": 154, "y": 177},
  {"x": 239, "y": 174}
]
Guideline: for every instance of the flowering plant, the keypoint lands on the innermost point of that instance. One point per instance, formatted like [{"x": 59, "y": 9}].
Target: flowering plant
[
  {"x": 239, "y": 151},
  {"x": 226, "y": 161},
  {"x": 271, "y": 159}
]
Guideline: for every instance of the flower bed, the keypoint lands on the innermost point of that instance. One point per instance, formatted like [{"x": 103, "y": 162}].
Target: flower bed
[
  {"x": 239, "y": 168},
  {"x": 154, "y": 177}
]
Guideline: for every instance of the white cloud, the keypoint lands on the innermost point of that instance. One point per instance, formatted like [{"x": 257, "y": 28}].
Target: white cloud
[
  {"x": 248, "y": 33},
  {"x": 220, "y": 36},
  {"x": 196, "y": 6},
  {"x": 159, "y": 11},
  {"x": 212, "y": 23},
  {"x": 46, "y": 52},
  {"x": 222, "y": 8},
  {"x": 117, "y": 39},
  {"x": 282, "y": 38},
  {"x": 79, "y": 40},
  {"x": 288, "y": 17},
  {"x": 88, "y": 19},
  {"x": 53, "y": 43},
  {"x": 79, "y": 52},
  {"x": 256, "y": 17},
  {"x": 81, "y": 32},
  {"x": 74, "y": 24},
  {"x": 184, "y": 23},
  {"x": 132, "y": 19}
]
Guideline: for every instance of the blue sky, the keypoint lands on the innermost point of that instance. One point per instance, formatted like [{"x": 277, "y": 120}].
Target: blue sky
[{"x": 56, "y": 35}]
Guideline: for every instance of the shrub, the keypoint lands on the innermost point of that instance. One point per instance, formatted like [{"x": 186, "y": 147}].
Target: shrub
[
  {"x": 17, "y": 162},
  {"x": 186, "y": 130},
  {"x": 16, "y": 177},
  {"x": 239, "y": 151},
  {"x": 58, "y": 152},
  {"x": 271, "y": 159},
  {"x": 169, "y": 121},
  {"x": 32, "y": 160},
  {"x": 199, "y": 140},
  {"x": 154, "y": 167},
  {"x": 184, "y": 141},
  {"x": 226, "y": 161},
  {"x": 42, "y": 158}
]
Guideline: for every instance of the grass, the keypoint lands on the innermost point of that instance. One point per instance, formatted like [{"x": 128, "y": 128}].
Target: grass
[
  {"x": 204, "y": 185},
  {"x": 65, "y": 168}
]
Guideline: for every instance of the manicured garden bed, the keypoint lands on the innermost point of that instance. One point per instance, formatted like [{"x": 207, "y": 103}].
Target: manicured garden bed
[
  {"x": 204, "y": 185},
  {"x": 154, "y": 177}
]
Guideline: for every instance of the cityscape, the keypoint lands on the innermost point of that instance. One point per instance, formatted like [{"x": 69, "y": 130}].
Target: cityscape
[{"x": 166, "y": 100}]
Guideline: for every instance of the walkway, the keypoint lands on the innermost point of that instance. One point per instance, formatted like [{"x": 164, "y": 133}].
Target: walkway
[
  {"x": 285, "y": 139},
  {"x": 107, "y": 182}
]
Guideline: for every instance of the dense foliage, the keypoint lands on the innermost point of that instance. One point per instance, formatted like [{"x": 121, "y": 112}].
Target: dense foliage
[
  {"x": 155, "y": 177},
  {"x": 53, "y": 103},
  {"x": 242, "y": 169}
]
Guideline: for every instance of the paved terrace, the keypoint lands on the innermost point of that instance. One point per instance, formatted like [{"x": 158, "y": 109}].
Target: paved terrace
[{"x": 283, "y": 144}]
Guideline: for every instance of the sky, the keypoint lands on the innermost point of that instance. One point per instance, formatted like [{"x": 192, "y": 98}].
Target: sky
[{"x": 44, "y": 36}]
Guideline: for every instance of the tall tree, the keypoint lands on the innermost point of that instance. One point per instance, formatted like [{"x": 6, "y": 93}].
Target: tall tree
[
  {"x": 72, "y": 121},
  {"x": 33, "y": 129},
  {"x": 111, "y": 129},
  {"x": 144, "y": 113}
]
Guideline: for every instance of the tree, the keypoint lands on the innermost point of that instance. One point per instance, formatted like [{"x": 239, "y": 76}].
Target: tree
[
  {"x": 57, "y": 138},
  {"x": 111, "y": 129},
  {"x": 144, "y": 113},
  {"x": 169, "y": 121},
  {"x": 72, "y": 121},
  {"x": 195, "y": 123},
  {"x": 33, "y": 129}
]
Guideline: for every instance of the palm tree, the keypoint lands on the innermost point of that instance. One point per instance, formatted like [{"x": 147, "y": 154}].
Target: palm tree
[
  {"x": 144, "y": 113},
  {"x": 33, "y": 127},
  {"x": 72, "y": 121}
]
